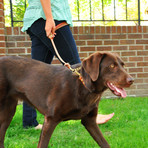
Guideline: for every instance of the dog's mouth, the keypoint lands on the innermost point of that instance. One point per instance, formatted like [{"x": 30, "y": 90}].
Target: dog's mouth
[{"x": 116, "y": 90}]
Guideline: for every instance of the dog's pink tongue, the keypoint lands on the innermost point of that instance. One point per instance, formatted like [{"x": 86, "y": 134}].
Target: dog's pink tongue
[
  {"x": 121, "y": 91},
  {"x": 117, "y": 91}
]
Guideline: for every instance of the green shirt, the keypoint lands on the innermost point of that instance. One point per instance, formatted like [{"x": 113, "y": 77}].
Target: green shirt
[{"x": 60, "y": 11}]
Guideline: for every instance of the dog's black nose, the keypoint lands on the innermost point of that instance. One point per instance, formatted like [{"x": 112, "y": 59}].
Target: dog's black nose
[{"x": 130, "y": 80}]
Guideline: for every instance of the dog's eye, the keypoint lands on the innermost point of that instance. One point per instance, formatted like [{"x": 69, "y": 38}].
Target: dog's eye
[{"x": 112, "y": 66}]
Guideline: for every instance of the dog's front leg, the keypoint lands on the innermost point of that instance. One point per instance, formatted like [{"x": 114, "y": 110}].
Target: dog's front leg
[
  {"x": 47, "y": 130},
  {"x": 90, "y": 124}
]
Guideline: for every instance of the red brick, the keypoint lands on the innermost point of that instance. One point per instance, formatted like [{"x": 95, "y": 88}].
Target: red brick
[
  {"x": 10, "y": 44},
  {"x": 139, "y": 29},
  {"x": 2, "y": 51},
  {"x": 75, "y": 37},
  {"x": 1, "y": 6},
  {"x": 92, "y": 29},
  {"x": 111, "y": 42},
  {"x": 135, "y": 58},
  {"x": 145, "y": 58},
  {"x": 114, "y": 29},
  {"x": 104, "y": 48},
  {"x": 75, "y": 30},
  {"x": 87, "y": 30},
  {"x": 10, "y": 51},
  {"x": 138, "y": 81},
  {"x": 134, "y": 29},
  {"x": 142, "y": 42},
  {"x": 2, "y": 38},
  {"x": 8, "y": 30},
  {"x": 102, "y": 28},
  {"x": 102, "y": 36},
  {"x": 28, "y": 50},
  {"x": 84, "y": 55},
  {"x": 119, "y": 29},
  {"x": 119, "y": 36},
  {"x": 79, "y": 43},
  {"x": 145, "y": 35},
  {"x": 16, "y": 38},
  {"x": 16, "y": 30},
  {"x": 117, "y": 52},
  {"x": 136, "y": 47},
  {"x": 1, "y": 13},
  {"x": 125, "y": 59},
  {"x": 28, "y": 37},
  {"x": 142, "y": 53},
  {"x": 142, "y": 64},
  {"x": 2, "y": 25},
  {"x": 134, "y": 36},
  {"x": 2, "y": 44},
  {"x": 129, "y": 64},
  {"x": 87, "y": 48},
  {"x": 145, "y": 69},
  {"x": 94, "y": 42},
  {"x": 2, "y": 31},
  {"x": 146, "y": 80},
  {"x": 124, "y": 29},
  {"x": 146, "y": 47},
  {"x": 129, "y": 29},
  {"x": 135, "y": 70},
  {"x": 23, "y": 44},
  {"x": 143, "y": 86},
  {"x": 84, "y": 37},
  {"x": 80, "y": 29},
  {"x": 108, "y": 29},
  {"x": 120, "y": 48},
  {"x": 144, "y": 29},
  {"x": 142, "y": 75},
  {"x": 98, "y": 29},
  {"x": 128, "y": 53},
  {"x": 2, "y": 19},
  {"x": 124, "y": 42}
]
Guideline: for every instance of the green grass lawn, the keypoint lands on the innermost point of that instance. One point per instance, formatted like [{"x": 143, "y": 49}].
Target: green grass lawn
[{"x": 127, "y": 129}]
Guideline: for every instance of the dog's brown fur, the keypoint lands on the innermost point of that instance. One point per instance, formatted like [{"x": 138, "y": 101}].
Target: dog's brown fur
[{"x": 58, "y": 93}]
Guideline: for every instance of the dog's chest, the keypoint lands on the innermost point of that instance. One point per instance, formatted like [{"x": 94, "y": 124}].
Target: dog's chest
[{"x": 84, "y": 107}]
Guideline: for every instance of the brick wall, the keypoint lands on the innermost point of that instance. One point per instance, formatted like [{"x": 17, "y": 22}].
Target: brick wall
[
  {"x": 2, "y": 29},
  {"x": 130, "y": 42}
]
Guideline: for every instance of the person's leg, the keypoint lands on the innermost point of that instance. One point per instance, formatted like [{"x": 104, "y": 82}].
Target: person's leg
[
  {"x": 29, "y": 116},
  {"x": 39, "y": 52}
]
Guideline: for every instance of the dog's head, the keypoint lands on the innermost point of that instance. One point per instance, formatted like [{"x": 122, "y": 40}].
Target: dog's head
[{"x": 106, "y": 70}]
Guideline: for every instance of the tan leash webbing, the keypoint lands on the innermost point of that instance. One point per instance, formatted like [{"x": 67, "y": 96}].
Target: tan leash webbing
[{"x": 58, "y": 55}]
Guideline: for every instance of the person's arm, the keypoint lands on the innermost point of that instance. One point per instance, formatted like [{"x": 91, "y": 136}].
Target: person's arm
[{"x": 50, "y": 24}]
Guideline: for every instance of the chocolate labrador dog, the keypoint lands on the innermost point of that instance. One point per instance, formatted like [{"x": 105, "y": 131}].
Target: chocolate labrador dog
[{"x": 58, "y": 93}]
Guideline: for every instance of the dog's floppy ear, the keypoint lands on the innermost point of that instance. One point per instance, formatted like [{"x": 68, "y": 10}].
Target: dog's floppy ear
[{"x": 91, "y": 65}]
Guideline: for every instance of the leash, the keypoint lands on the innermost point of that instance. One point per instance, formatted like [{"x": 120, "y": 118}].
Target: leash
[{"x": 58, "y": 55}]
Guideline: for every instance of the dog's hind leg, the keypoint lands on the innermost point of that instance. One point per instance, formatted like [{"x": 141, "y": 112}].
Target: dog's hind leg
[
  {"x": 47, "y": 130},
  {"x": 7, "y": 110}
]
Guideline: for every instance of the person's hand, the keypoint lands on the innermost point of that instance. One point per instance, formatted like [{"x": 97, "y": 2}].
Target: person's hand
[{"x": 50, "y": 28}]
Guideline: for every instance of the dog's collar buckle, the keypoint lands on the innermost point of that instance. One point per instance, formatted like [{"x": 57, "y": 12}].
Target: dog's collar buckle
[{"x": 76, "y": 71}]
